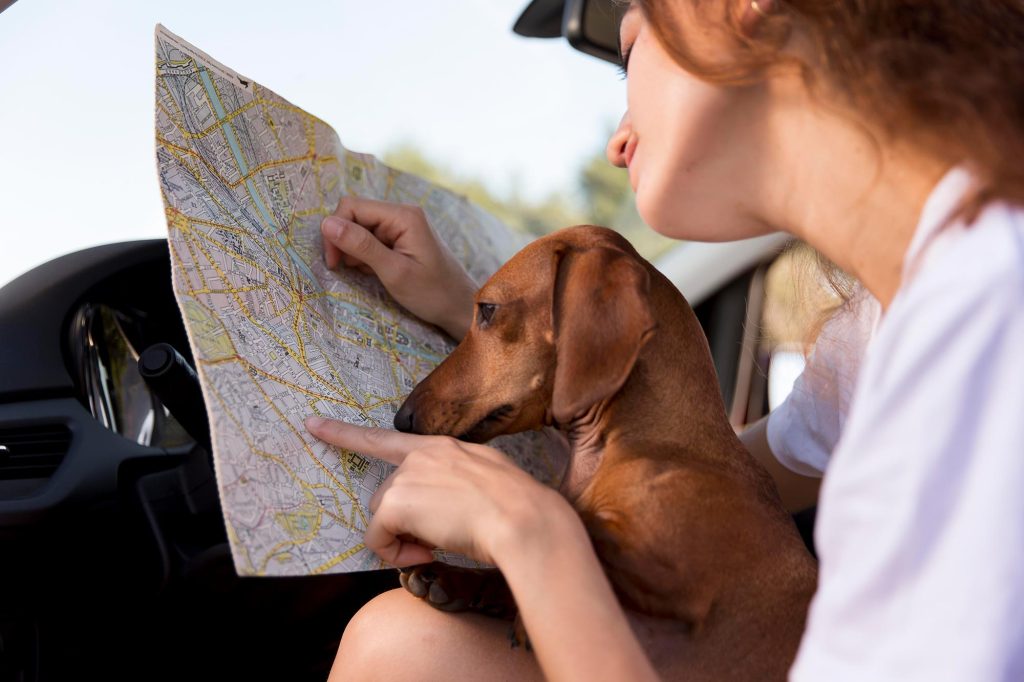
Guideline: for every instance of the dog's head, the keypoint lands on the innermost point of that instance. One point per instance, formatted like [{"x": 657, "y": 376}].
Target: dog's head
[{"x": 556, "y": 330}]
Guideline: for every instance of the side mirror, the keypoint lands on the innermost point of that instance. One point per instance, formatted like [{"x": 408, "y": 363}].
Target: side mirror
[{"x": 592, "y": 26}]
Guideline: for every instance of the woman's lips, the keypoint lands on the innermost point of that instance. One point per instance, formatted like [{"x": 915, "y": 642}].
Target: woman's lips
[{"x": 627, "y": 156}]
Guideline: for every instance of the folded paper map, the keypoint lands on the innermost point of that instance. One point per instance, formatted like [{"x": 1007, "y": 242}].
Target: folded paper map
[{"x": 246, "y": 179}]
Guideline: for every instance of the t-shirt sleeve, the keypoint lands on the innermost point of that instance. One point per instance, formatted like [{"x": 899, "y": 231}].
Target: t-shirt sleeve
[
  {"x": 803, "y": 431},
  {"x": 921, "y": 521}
]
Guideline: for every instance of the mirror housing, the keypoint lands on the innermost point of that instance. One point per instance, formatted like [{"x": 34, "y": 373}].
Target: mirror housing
[{"x": 590, "y": 26}]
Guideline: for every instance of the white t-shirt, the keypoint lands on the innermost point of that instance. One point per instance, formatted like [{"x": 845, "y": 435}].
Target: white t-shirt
[
  {"x": 920, "y": 528},
  {"x": 803, "y": 431}
]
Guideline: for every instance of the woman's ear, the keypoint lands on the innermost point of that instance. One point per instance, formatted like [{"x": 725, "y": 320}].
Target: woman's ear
[{"x": 601, "y": 319}]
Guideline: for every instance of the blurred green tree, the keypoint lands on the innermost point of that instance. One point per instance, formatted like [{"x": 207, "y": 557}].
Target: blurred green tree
[
  {"x": 603, "y": 197},
  {"x": 530, "y": 217}
]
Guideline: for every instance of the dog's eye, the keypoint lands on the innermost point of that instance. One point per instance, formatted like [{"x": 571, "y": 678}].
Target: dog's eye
[{"x": 484, "y": 312}]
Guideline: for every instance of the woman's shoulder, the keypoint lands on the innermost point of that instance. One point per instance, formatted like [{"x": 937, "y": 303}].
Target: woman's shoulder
[
  {"x": 961, "y": 302},
  {"x": 995, "y": 238},
  {"x": 962, "y": 263}
]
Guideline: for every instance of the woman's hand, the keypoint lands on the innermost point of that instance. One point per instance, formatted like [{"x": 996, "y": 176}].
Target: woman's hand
[
  {"x": 471, "y": 499},
  {"x": 463, "y": 497},
  {"x": 395, "y": 242}
]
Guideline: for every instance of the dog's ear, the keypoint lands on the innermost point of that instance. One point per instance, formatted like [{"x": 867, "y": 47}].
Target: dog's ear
[{"x": 601, "y": 319}]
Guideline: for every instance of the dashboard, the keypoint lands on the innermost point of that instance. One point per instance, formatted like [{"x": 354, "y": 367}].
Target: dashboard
[
  {"x": 70, "y": 414},
  {"x": 114, "y": 560}
]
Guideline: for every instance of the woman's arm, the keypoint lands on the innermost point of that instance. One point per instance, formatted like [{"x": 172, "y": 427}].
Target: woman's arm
[
  {"x": 797, "y": 492},
  {"x": 471, "y": 499},
  {"x": 576, "y": 626}
]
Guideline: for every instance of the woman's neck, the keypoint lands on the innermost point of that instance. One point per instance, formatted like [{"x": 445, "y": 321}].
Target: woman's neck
[{"x": 860, "y": 204}]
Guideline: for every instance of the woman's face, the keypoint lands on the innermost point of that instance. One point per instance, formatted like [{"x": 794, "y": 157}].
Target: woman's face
[{"x": 691, "y": 147}]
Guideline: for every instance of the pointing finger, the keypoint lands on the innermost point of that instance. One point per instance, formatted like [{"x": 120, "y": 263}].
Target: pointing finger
[{"x": 390, "y": 446}]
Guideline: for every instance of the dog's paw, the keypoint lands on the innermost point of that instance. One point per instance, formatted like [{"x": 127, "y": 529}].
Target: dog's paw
[
  {"x": 429, "y": 584},
  {"x": 451, "y": 588}
]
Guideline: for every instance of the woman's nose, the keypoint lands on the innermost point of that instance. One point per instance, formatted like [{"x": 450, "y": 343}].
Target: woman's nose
[{"x": 616, "y": 149}]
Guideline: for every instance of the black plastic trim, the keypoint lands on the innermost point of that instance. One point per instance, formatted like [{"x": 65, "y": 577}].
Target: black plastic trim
[{"x": 34, "y": 310}]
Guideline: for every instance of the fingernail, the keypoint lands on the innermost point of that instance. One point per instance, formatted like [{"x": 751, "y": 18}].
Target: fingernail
[
  {"x": 333, "y": 226},
  {"x": 314, "y": 422}
]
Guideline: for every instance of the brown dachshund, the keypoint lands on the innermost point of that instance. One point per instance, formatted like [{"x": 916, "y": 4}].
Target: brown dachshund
[{"x": 578, "y": 331}]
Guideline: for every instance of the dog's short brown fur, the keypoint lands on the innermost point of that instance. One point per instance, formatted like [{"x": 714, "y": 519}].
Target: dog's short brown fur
[{"x": 578, "y": 331}]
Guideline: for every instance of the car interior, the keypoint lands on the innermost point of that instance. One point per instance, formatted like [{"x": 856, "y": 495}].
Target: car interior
[{"x": 115, "y": 559}]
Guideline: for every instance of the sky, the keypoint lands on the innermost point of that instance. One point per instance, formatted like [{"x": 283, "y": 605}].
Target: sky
[{"x": 77, "y": 163}]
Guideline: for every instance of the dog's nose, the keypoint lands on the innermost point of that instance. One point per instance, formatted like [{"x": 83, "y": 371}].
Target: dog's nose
[{"x": 403, "y": 420}]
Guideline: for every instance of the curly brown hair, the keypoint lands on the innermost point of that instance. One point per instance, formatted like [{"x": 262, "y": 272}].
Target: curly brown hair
[{"x": 947, "y": 75}]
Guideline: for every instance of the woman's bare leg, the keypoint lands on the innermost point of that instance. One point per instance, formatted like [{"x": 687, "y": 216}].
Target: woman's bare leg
[{"x": 398, "y": 637}]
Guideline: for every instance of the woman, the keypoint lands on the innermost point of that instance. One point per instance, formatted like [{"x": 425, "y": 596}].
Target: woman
[{"x": 886, "y": 134}]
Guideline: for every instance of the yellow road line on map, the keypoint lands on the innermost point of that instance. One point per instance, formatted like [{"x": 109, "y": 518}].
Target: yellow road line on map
[
  {"x": 301, "y": 360},
  {"x": 180, "y": 121},
  {"x": 181, "y": 155},
  {"x": 271, "y": 164},
  {"x": 258, "y": 267},
  {"x": 189, "y": 244},
  {"x": 281, "y": 463},
  {"x": 348, "y": 493},
  {"x": 221, "y": 226},
  {"x": 172, "y": 148},
  {"x": 338, "y": 559},
  {"x": 269, "y": 120},
  {"x": 199, "y": 179},
  {"x": 228, "y": 116},
  {"x": 238, "y": 290},
  {"x": 296, "y": 387}
]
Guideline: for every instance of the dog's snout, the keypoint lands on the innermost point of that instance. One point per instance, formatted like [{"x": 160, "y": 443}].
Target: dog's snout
[{"x": 403, "y": 419}]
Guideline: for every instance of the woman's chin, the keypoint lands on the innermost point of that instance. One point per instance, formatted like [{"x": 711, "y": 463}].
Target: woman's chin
[
  {"x": 692, "y": 221},
  {"x": 668, "y": 218}
]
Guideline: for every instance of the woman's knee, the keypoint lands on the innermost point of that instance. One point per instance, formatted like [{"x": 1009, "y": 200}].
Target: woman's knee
[
  {"x": 379, "y": 640},
  {"x": 396, "y": 636}
]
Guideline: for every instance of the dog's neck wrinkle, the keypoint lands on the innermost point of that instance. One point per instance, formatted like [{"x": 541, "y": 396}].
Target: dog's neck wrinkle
[
  {"x": 585, "y": 434},
  {"x": 583, "y": 430}
]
